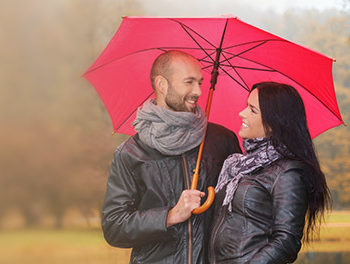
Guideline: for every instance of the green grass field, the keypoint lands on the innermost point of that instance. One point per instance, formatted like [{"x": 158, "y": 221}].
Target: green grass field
[
  {"x": 334, "y": 234},
  {"x": 58, "y": 247},
  {"x": 89, "y": 247}
]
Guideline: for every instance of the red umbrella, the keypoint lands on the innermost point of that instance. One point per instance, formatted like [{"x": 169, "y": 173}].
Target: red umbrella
[{"x": 234, "y": 55}]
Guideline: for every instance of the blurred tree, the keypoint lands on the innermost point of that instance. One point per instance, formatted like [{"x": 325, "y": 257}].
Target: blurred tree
[
  {"x": 55, "y": 132},
  {"x": 331, "y": 37},
  {"x": 327, "y": 33},
  {"x": 56, "y": 135}
]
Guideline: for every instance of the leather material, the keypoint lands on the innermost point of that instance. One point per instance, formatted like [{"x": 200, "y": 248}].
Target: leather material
[
  {"x": 142, "y": 187},
  {"x": 267, "y": 219}
]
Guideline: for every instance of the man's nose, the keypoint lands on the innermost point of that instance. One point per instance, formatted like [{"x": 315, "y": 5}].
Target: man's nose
[{"x": 197, "y": 89}]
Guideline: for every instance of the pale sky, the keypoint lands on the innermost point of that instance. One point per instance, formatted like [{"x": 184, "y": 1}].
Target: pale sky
[
  {"x": 282, "y": 5},
  {"x": 235, "y": 7}
]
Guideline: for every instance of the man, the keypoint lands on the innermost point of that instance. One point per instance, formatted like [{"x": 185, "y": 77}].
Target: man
[{"x": 148, "y": 203}]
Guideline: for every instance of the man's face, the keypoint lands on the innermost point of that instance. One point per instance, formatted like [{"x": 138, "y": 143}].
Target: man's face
[{"x": 184, "y": 85}]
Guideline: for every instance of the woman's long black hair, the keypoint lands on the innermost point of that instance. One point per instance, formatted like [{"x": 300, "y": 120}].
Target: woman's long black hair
[{"x": 284, "y": 120}]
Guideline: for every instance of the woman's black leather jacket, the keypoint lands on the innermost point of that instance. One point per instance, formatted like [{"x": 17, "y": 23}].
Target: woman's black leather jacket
[{"x": 267, "y": 219}]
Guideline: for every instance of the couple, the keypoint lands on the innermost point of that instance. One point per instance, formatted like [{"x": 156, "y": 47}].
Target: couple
[{"x": 263, "y": 196}]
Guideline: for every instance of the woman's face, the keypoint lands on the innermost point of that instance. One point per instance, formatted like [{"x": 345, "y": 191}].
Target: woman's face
[{"x": 252, "y": 126}]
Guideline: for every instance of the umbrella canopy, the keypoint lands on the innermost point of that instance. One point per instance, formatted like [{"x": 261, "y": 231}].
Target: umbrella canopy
[{"x": 247, "y": 55}]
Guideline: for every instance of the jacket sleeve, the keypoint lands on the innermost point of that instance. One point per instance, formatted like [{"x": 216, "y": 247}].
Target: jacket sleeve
[
  {"x": 122, "y": 223},
  {"x": 289, "y": 208}
]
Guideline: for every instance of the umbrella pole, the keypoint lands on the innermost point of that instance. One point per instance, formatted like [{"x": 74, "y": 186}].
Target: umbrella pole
[
  {"x": 200, "y": 152},
  {"x": 211, "y": 190},
  {"x": 213, "y": 80}
]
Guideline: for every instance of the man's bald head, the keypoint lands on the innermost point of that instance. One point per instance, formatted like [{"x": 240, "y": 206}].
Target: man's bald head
[{"x": 162, "y": 64}]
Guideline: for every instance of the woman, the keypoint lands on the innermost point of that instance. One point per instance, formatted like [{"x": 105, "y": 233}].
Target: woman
[{"x": 265, "y": 195}]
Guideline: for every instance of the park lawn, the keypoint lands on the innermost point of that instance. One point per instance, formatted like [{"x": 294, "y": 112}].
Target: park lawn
[
  {"x": 332, "y": 239},
  {"x": 84, "y": 246},
  {"x": 57, "y": 247},
  {"x": 334, "y": 234},
  {"x": 338, "y": 217}
]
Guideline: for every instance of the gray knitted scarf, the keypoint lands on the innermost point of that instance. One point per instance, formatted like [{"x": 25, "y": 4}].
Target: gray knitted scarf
[
  {"x": 259, "y": 154},
  {"x": 169, "y": 132}
]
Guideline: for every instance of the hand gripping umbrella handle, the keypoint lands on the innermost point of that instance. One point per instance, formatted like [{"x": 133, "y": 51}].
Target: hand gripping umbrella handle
[{"x": 208, "y": 202}]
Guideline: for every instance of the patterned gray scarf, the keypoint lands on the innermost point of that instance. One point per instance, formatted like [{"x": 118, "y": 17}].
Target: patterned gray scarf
[
  {"x": 259, "y": 154},
  {"x": 170, "y": 132}
]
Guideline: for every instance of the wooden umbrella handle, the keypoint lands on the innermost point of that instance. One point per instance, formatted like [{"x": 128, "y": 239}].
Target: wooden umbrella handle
[
  {"x": 211, "y": 191},
  {"x": 210, "y": 199},
  {"x": 205, "y": 206}
]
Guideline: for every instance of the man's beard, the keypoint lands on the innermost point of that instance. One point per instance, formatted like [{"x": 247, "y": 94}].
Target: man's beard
[{"x": 176, "y": 102}]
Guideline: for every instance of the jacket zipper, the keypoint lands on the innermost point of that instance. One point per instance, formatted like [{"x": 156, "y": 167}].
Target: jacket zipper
[
  {"x": 216, "y": 230},
  {"x": 189, "y": 220}
]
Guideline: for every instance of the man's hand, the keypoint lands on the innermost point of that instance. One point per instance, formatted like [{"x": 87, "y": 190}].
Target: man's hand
[{"x": 189, "y": 200}]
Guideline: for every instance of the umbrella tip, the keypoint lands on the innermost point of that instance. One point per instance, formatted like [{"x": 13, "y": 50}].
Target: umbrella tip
[
  {"x": 334, "y": 60},
  {"x": 229, "y": 16}
]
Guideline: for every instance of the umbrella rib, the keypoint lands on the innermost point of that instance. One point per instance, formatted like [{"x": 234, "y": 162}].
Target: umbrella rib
[
  {"x": 185, "y": 28},
  {"x": 208, "y": 56},
  {"x": 127, "y": 118},
  {"x": 207, "y": 61},
  {"x": 248, "y": 68},
  {"x": 309, "y": 93},
  {"x": 245, "y": 88},
  {"x": 246, "y": 85},
  {"x": 255, "y": 41},
  {"x": 195, "y": 32},
  {"x": 271, "y": 69},
  {"x": 186, "y": 48},
  {"x": 277, "y": 71},
  {"x": 238, "y": 55},
  {"x": 139, "y": 51},
  {"x": 206, "y": 67}
]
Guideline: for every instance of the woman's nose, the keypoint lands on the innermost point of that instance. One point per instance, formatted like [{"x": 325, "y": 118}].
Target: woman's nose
[{"x": 241, "y": 114}]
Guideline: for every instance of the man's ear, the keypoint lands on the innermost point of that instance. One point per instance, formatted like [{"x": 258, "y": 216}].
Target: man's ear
[{"x": 161, "y": 85}]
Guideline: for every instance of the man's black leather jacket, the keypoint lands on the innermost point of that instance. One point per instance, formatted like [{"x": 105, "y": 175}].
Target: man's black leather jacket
[{"x": 144, "y": 184}]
